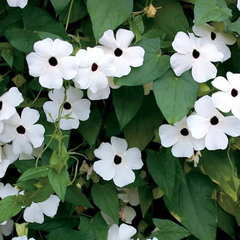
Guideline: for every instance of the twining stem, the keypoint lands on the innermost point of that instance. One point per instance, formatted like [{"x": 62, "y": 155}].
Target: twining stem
[{"x": 69, "y": 14}]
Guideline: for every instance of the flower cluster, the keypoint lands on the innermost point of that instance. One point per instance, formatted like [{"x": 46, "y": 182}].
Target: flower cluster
[{"x": 197, "y": 52}]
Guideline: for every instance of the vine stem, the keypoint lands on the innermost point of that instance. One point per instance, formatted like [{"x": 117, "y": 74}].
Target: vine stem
[{"x": 69, "y": 14}]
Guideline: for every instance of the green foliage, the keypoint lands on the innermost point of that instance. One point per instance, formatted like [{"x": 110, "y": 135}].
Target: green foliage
[
  {"x": 175, "y": 96},
  {"x": 105, "y": 197},
  {"x": 140, "y": 130},
  {"x": 169, "y": 230},
  {"x": 193, "y": 204},
  {"x": 127, "y": 101},
  {"x": 34, "y": 173},
  {"x": 155, "y": 65},
  {"x": 9, "y": 207},
  {"x": 117, "y": 11},
  {"x": 211, "y": 10},
  {"x": 90, "y": 129}
]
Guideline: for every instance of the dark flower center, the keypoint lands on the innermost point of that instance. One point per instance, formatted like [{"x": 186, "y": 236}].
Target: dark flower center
[
  {"x": 118, "y": 52},
  {"x": 234, "y": 93},
  {"x": 53, "y": 61},
  {"x": 184, "y": 132},
  {"x": 67, "y": 106},
  {"x": 1, "y": 104},
  {"x": 117, "y": 160},
  {"x": 214, "y": 120},
  {"x": 213, "y": 35},
  {"x": 94, "y": 67},
  {"x": 21, "y": 129},
  {"x": 195, "y": 53}
]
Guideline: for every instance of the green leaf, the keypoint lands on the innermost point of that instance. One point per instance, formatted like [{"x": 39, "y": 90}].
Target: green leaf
[
  {"x": 146, "y": 198},
  {"x": 226, "y": 222},
  {"x": 154, "y": 66},
  {"x": 75, "y": 196},
  {"x": 162, "y": 167},
  {"x": 78, "y": 12},
  {"x": 33, "y": 20},
  {"x": 9, "y": 208},
  {"x": 65, "y": 233},
  {"x": 193, "y": 206},
  {"x": 220, "y": 171},
  {"x": 168, "y": 230},
  {"x": 107, "y": 14},
  {"x": 127, "y": 101},
  {"x": 59, "y": 181},
  {"x": 90, "y": 129},
  {"x": 59, "y": 5},
  {"x": 137, "y": 27},
  {"x": 234, "y": 27},
  {"x": 210, "y": 10},
  {"x": 7, "y": 55},
  {"x": 175, "y": 96},
  {"x": 105, "y": 197},
  {"x": 34, "y": 173},
  {"x": 19, "y": 80},
  {"x": 140, "y": 130},
  {"x": 170, "y": 19}
]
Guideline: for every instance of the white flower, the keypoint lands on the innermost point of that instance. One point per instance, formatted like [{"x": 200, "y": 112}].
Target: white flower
[
  {"x": 74, "y": 108},
  {"x": 8, "y": 102},
  {"x": 17, "y": 3},
  {"x": 180, "y": 138},
  {"x": 209, "y": 34},
  {"x": 192, "y": 53},
  {"x": 208, "y": 122},
  {"x": 152, "y": 239},
  {"x": 23, "y": 238},
  {"x": 7, "y": 190},
  {"x": 103, "y": 93},
  {"x": 51, "y": 62},
  {"x": 35, "y": 153},
  {"x": 124, "y": 56},
  {"x": 228, "y": 99},
  {"x": 6, "y": 158},
  {"x": 124, "y": 232},
  {"x": 127, "y": 214},
  {"x": 6, "y": 228},
  {"x": 130, "y": 196},
  {"x": 117, "y": 162},
  {"x": 23, "y": 132},
  {"x": 35, "y": 212},
  {"x": 238, "y": 4},
  {"x": 94, "y": 67}
]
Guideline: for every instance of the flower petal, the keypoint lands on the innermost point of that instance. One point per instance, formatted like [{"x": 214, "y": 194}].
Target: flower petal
[
  {"x": 33, "y": 214},
  {"x": 113, "y": 232},
  {"x": 68, "y": 67},
  {"x": 198, "y": 126},
  {"x": 134, "y": 56},
  {"x": 216, "y": 139},
  {"x": 182, "y": 148},
  {"x": 105, "y": 151},
  {"x": 223, "y": 101},
  {"x": 61, "y": 48},
  {"x": 82, "y": 109},
  {"x": 132, "y": 158},
  {"x": 105, "y": 168},
  {"x": 108, "y": 40},
  {"x": 222, "y": 84},
  {"x": 29, "y": 116},
  {"x": 231, "y": 126},
  {"x": 44, "y": 48},
  {"x": 7, "y": 229},
  {"x": 168, "y": 134},
  {"x": 124, "y": 37},
  {"x": 126, "y": 232},
  {"x": 52, "y": 78},
  {"x": 182, "y": 43},
  {"x": 204, "y": 107},
  {"x": 100, "y": 94},
  {"x": 35, "y": 135},
  {"x": 202, "y": 70},
  {"x": 120, "y": 145},
  {"x": 122, "y": 67},
  {"x": 123, "y": 176},
  {"x": 50, "y": 206},
  {"x": 83, "y": 77},
  {"x": 181, "y": 63},
  {"x": 21, "y": 145},
  {"x": 99, "y": 81},
  {"x": 37, "y": 65}
]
